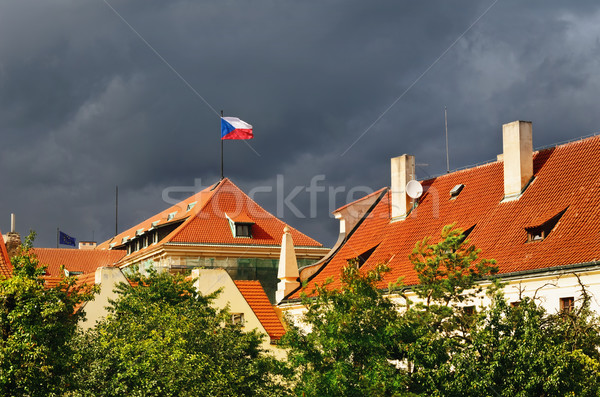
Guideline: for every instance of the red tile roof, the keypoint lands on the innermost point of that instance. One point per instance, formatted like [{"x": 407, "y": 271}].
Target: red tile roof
[
  {"x": 5, "y": 265},
  {"x": 207, "y": 221},
  {"x": 74, "y": 260},
  {"x": 566, "y": 177},
  {"x": 257, "y": 299}
]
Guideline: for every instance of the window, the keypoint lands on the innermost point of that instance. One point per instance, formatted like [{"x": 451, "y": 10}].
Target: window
[
  {"x": 467, "y": 232},
  {"x": 567, "y": 304},
  {"x": 456, "y": 191},
  {"x": 171, "y": 215},
  {"x": 362, "y": 258},
  {"x": 191, "y": 205},
  {"x": 242, "y": 230},
  {"x": 237, "y": 318},
  {"x": 469, "y": 310},
  {"x": 539, "y": 233}
]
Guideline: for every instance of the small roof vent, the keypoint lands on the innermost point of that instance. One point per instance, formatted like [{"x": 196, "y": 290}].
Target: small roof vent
[{"x": 456, "y": 190}]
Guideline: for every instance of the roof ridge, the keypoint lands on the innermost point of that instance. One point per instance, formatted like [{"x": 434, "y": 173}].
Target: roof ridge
[
  {"x": 195, "y": 211},
  {"x": 129, "y": 230},
  {"x": 360, "y": 199}
]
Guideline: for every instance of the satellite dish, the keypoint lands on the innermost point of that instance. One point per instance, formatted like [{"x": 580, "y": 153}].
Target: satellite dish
[{"x": 414, "y": 189}]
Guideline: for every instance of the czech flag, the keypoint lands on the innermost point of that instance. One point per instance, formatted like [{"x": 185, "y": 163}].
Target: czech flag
[{"x": 234, "y": 128}]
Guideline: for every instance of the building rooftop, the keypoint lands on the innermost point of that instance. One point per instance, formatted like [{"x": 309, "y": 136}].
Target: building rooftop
[
  {"x": 75, "y": 260},
  {"x": 209, "y": 217},
  {"x": 554, "y": 223},
  {"x": 256, "y": 297},
  {"x": 5, "y": 265}
]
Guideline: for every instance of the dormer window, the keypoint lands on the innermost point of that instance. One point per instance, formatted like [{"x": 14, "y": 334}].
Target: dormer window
[
  {"x": 541, "y": 232},
  {"x": 243, "y": 230},
  {"x": 241, "y": 225}
]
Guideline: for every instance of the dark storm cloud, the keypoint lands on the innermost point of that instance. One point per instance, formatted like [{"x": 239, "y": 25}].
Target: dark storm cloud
[{"x": 86, "y": 105}]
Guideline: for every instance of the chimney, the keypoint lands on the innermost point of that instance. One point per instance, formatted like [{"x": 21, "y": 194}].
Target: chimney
[
  {"x": 288, "y": 267},
  {"x": 517, "y": 156},
  {"x": 403, "y": 171}
]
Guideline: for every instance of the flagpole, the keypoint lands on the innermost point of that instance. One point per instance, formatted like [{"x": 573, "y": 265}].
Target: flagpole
[
  {"x": 222, "y": 151},
  {"x": 56, "y": 237}
]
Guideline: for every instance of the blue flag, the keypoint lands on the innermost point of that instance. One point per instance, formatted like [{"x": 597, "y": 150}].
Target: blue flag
[{"x": 65, "y": 239}]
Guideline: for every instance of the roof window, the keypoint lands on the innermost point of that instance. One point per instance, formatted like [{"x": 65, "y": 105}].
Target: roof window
[
  {"x": 362, "y": 258},
  {"x": 243, "y": 230},
  {"x": 191, "y": 205},
  {"x": 241, "y": 226},
  {"x": 455, "y": 191},
  {"x": 541, "y": 232},
  {"x": 171, "y": 215}
]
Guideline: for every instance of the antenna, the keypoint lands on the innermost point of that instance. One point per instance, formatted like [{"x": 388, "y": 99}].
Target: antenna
[
  {"x": 447, "y": 155},
  {"x": 414, "y": 189}
]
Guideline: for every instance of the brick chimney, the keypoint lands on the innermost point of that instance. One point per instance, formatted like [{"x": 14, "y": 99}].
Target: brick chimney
[
  {"x": 517, "y": 156},
  {"x": 403, "y": 171}
]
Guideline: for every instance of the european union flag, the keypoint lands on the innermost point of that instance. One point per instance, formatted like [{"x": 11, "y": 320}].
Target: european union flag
[{"x": 65, "y": 239}]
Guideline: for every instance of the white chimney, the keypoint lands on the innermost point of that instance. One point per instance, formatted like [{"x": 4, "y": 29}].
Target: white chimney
[
  {"x": 288, "y": 267},
  {"x": 403, "y": 171},
  {"x": 517, "y": 156},
  {"x": 12, "y": 223}
]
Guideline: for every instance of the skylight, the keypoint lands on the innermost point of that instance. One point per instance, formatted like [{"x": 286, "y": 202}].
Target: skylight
[{"x": 455, "y": 191}]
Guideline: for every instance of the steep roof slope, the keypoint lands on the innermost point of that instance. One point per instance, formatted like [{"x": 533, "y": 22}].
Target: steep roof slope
[
  {"x": 208, "y": 221},
  {"x": 5, "y": 265},
  {"x": 256, "y": 297},
  {"x": 74, "y": 260},
  {"x": 567, "y": 178}
]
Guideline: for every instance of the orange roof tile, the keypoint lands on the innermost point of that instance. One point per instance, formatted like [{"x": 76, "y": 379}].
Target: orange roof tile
[
  {"x": 5, "y": 265},
  {"x": 207, "y": 222},
  {"x": 257, "y": 299},
  {"x": 566, "y": 177},
  {"x": 74, "y": 260}
]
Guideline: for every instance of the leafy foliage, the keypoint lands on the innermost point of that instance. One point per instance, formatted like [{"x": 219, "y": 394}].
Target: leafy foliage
[
  {"x": 523, "y": 351},
  {"x": 352, "y": 332},
  {"x": 356, "y": 341},
  {"x": 163, "y": 338},
  {"x": 36, "y": 327}
]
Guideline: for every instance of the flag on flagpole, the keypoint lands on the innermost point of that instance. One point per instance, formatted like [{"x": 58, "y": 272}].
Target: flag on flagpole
[
  {"x": 234, "y": 128},
  {"x": 65, "y": 239}
]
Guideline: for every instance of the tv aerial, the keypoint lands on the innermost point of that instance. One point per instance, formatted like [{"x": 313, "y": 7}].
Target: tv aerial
[{"x": 414, "y": 189}]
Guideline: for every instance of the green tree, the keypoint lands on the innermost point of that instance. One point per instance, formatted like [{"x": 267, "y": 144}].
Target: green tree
[
  {"x": 523, "y": 351},
  {"x": 347, "y": 342},
  {"x": 163, "y": 338},
  {"x": 37, "y": 325},
  {"x": 437, "y": 326}
]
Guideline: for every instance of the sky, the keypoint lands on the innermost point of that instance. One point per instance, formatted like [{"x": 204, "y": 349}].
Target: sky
[{"x": 96, "y": 94}]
